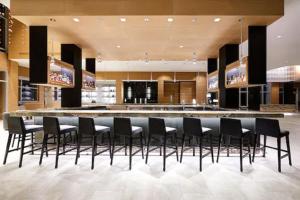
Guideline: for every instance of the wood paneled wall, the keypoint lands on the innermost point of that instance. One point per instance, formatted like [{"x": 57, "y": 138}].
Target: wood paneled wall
[
  {"x": 12, "y": 86},
  {"x": 275, "y": 93},
  {"x": 147, "y": 7},
  {"x": 200, "y": 78}
]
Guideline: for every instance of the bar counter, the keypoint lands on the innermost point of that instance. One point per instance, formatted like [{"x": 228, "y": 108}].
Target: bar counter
[{"x": 146, "y": 113}]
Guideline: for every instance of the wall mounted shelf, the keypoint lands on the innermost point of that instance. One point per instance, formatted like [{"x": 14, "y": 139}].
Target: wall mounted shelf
[
  {"x": 88, "y": 80},
  {"x": 213, "y": 82},
  {"x": 236, "y": 74},
  {"x": 60, "y": 74}
]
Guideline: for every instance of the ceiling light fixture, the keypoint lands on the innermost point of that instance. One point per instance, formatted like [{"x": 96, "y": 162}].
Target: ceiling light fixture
[
  {"x": 76, "y": 19},
  {"x": 181, "y": 46},
  {"x": 170, "y": 19},
  {"x": 123, "y": 19},
  {"x": 146, "y": 19},
  {"x": 218, "y": 19},
  {"x": 52, "y": 20},
  {"x": 279, "y": 36},
  {"x": 118, "y": 46},
  {"x": 194, "y": 58},
  {"x": 194, "y": 20}
]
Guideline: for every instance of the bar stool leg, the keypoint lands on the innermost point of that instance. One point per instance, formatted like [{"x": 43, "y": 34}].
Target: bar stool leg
[
  {"x": 254, "y": 147},
  {"x": 265, "y": 143},
  {"x": 219, "y": 148},
  {"x": 241, "y": 154},
  {"x": 182, "y": 147},
  {"x": 130, "y": 152},
  {"x": 78, "y": 149},
  {"x": 7, "y": 147},
  {"x": 22, "y": 150},
  {"x": 64, "y": 143},
  {"x": 164, "y": 152},
  {"x": 211, "y": 148},
  {"x": 288, "y": 149},
  {"x": 279, "y": 153},
  {"x": 193, "y": 143},
  {"x": 228, "y": 145},
  {"x": 13, "y": 141},
  {"x": 148, "y": 145},
  {"x": 45, "y": 140},
  {"x": 176, "y": 146},
  {"x": 142, "y": 145},
  {"x": 93, "y": 150},
  {"x": 109, "y": 143},
  {"x": 200, "y": 156},
  {"x": 113, "y": 150},
  {"x": 57, "y": 151},
  {"x": 249, "y": 151},
  {"x": 32, "y": 146},
  {"x": 125, "y": 144}
]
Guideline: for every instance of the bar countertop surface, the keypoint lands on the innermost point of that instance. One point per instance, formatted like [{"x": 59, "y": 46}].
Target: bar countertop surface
[{"x": 147, "y": 113}]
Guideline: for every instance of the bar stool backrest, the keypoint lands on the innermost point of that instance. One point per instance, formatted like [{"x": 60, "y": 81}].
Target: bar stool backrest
[
  {"x": 51, "y": 125},
  {"x": 157, "y": 126},
  {"x": 268, "y": 127},
  {"x": 122, "y": 126},
  {"x": 192, "y": 126},
  {"x": 16, "y": 125},
  {"x": 232, "y": 127},
  {"x": 86, "y": 126}
]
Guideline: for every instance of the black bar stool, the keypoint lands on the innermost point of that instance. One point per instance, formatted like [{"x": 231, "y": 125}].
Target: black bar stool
[
  {"x": 192, "y": 129},
  {"x": 123, "y": 128},
  {"x": 233, "y": 129},
  {"x": 52, "y": 127},
  {"x": 271, "y": 128},
  {"x": 88, "y": 130},
  {"x": 159, "y": 132},
  {"x": 16, "y": 126}
]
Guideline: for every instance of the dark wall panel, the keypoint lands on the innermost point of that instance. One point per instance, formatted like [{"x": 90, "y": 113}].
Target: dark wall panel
[
  {"x": 71, "y": 97},
  {"x": 289, "y": 93},
  {"x": 257, "y": 59},
  {"x": 90, "y": 65},
  {"x": 212, "y": 65},
  {"x": 232, "y": 98},
  {"x": 229, "y": 53},
  {"x": 38, "y": 52}
]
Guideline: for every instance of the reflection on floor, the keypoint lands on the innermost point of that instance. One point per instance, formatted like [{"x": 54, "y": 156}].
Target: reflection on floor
[{"x": 181, "y": 181}]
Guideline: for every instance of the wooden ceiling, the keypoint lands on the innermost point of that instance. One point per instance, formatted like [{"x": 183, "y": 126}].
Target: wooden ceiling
[
  {"x": 162, "y": 40},
  {"x": 100, "y": 30}
]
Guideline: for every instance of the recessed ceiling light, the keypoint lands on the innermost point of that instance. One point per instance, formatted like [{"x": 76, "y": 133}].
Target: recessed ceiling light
[
  {"x": 194, "y": 20},
  {"x": 217, "y": 19},
  {"x": 279, "y": 36},
  {"x": 194, "y": 62},
  {"x": 170, "y": 19},
  {"x": 76, "y": 19},
  {"x": 52, "y": 20},
  {"x": 181, "y": 46},
  {"x": 123, "y": 19},
  {"x": 146, "y": 19},
  {"x": 118, "y": 46}
]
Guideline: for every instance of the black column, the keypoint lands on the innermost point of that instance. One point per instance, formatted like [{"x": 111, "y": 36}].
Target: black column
[
  {"x": 90, "y": 65},
  {"x": 71, "y": 97},
  {"x": 38, "y": 52},
  {"x": 257, "y": 59},
  {"x": 229, "y": 98},
  {"x": 212, "y": 65}
]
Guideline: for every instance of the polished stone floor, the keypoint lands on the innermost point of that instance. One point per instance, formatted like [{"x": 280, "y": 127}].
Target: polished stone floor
[{"x": 259, "y": 181}]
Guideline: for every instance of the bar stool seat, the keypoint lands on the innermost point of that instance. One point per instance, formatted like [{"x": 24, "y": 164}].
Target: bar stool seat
[
  {"x": 67, "y": 128},
  {"x": 33, "y": 128},
  {"x": 244, "y": 130},
  {"x": 102, "y": 129},
  {"x": 136, "y": 129},
  {"x": 170, "y": 130}
]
